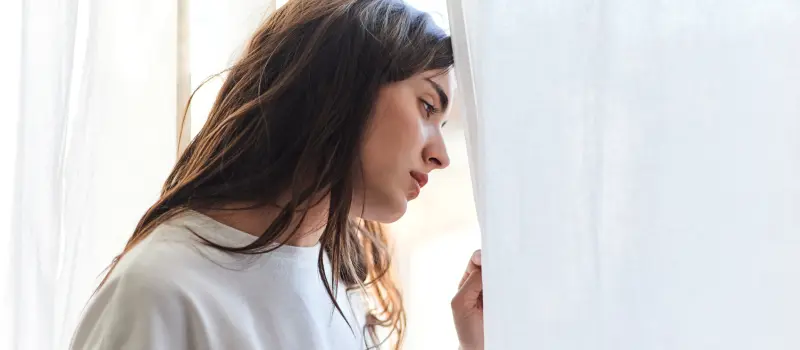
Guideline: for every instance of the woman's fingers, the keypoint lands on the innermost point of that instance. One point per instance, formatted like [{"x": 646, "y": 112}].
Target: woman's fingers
[
  {"x": 470, "y": 295},
  {"x": 467, "y": 305},
  {"x": 473, "y": 265}
]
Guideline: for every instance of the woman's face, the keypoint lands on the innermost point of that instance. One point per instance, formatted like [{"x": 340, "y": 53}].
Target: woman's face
[{"x": 403, "y": 144}]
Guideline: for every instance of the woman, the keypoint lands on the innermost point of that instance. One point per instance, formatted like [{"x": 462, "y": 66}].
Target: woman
[{"x": 266, "y": 234}]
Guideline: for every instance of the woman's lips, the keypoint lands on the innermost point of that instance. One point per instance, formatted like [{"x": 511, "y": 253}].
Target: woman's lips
[{"x": 421, "y": 178}]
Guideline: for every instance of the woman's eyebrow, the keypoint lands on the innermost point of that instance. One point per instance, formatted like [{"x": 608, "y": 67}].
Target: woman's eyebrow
[{"x": 443, "y": 99}]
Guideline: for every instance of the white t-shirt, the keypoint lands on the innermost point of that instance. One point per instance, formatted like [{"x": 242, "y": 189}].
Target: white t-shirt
[{"x": 173, "y": 292}]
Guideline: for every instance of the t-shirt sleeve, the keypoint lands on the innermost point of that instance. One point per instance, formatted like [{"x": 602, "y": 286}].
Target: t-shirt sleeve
[{"x": 135, "y": 311}]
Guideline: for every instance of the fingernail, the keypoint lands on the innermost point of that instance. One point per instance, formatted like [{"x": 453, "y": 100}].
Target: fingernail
[{"x": 476, "y": 257}]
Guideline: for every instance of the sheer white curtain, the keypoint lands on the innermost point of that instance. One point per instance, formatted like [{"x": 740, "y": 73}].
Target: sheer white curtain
[
  {"x": 219, "y": 32},
  {"x": 638, "y": 171},
  {"x": 88, "y": 133}
]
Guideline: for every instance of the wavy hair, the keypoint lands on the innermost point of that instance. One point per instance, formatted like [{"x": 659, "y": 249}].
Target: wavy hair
[{"x": 290, "y": 118}]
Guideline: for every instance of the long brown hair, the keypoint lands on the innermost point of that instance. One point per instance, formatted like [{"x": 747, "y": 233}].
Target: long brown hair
[{"x": 290, "y": 118}]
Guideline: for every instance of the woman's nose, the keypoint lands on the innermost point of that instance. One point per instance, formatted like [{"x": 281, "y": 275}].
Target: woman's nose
[{"x": 436, "y": 154}]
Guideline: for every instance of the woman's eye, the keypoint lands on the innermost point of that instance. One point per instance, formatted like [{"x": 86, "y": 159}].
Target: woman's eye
[{"x": 429, "y": 108}]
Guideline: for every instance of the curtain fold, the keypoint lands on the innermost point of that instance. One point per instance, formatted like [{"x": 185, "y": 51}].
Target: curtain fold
[
  {"x": 47, "y": 44},
  {"x": 90, "y": 138},
  {"x": 95, "y": 138},
  {"x": 637, "y": 167}
]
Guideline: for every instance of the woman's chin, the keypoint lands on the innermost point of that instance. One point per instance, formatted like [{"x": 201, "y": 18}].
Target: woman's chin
[
  {"x": 386, "y": 214},
  {"x": 392, "y": 216},
  {"x": 393, "y": 219}
]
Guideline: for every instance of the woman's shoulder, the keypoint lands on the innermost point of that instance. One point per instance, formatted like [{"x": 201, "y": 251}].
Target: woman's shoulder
[
  {"x": 151, "y": 285},
  {"x": 171, "y": 256},
  {"x": 176, "y": 255}
]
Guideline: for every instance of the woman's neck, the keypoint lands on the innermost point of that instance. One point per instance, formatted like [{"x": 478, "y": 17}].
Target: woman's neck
[{"x": 255, "y": 221}]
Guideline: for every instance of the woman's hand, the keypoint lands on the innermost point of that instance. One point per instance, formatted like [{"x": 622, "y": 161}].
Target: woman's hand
[{"x": 468, "y": 306}]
